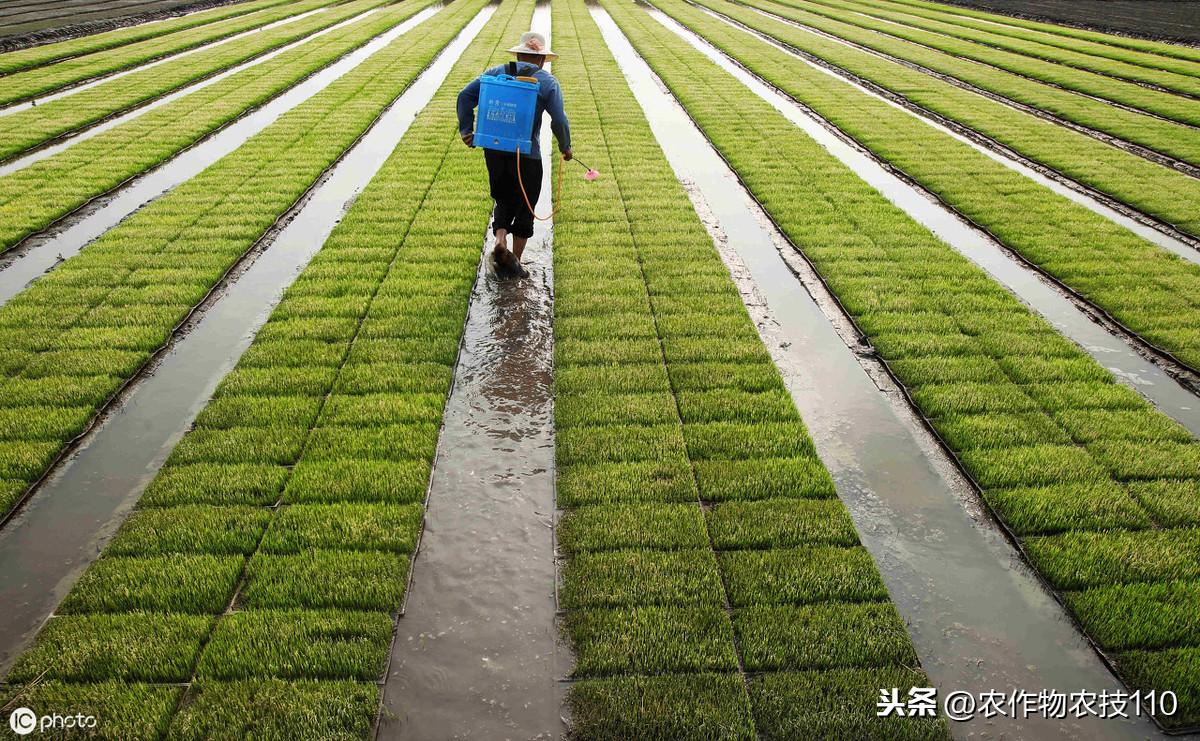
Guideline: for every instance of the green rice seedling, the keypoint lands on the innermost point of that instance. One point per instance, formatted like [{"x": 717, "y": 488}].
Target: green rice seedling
[
  {"x": 62, "y": 391},
  {"x": 729, "y": 440},
  {"x": 940, "y": 369},
  {"x": 260, "y": 411},
  {"x": 1176, "y": 668},
  {"x": 324, "y": 329},
  {"x": 823, "y": 636},
  {"x": 85, "y": 363},
  {"x": 198, "y": 528},
  {"x": 925, "y": 344},
  {"x": 389, "y": 443},
  {"x": 629, "y": 526},
  {"x": 838, "y": 703},
  {"x": 399, "y": 482},
  {"x": 133, "y": 648},
  {"x": 196, "y": 584},
  {"x": 383, "y": 378},
  {"x": 628, "y": 578},
  {"x": 42, "y": 422},
  {"x": 1093, "y": 505},
  {"x": 10, "y": 493},
  {"x": 703, "y": 324},
  {"x": 278, "y": 445},
  {"x": 590, "y": 410},
  {"x": 781, "y": 523},
  {"x": 1053, "y": 370},
  {"x": 346, "y": 580},
  {"x": 1149, "y": 460},
  {"x": 650, "y": 640},
  {"x": 688, "y": 707},
  {"x": 370, "y": 410},
  {"x": 1032, "y": 466},
  {"x": 646, "y": 481},
  {"x": 295, "y": 644},
  {"x": 1076, "y": 560},
  {"x": 273, "y": 708},
  {"x": 973, "y": 431},
  {"x": 720, "y": 349},
  {"x": 132, "y": 711},
  {"x": 24, "y": 460},
  {"x": 752, "y": 377},
  {"x": 733, "y": 405},
  {"x": 210, "y": 483},
  {"x": 1092, "y": 425},
  {"x": 763, "y": 478},
  {"x": 607, "y": 327},
  {"x": 623, "y": 443},
  {"x": 300, "y": 381},
  {"x": 1171, "y": 503},
  {"x": 801, "y": 575},
  {"x": 344, "y": 526},
  {"x": 622, "y": 379},
  {"x": 1055, "y": 397},
  {"x": 570, "y": 351},
  {"x": 442, "y": 350},
  {"x": 1142, "y": 616},
  {"x": 972, "y": 398}
]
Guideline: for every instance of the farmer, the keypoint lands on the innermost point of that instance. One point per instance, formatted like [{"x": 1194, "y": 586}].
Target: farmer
[{"x": 512, "y": 215}]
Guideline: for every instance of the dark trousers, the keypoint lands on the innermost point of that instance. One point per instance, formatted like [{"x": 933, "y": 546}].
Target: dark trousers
[{"x": 511, "y": 212}]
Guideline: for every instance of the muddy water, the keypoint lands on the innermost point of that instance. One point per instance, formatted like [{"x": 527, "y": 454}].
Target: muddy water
[
  {"x": 93, "y": 130},
  {"x": 477, "y": 654},
  {"x": 33, "y": 258},
  {"x": 68, "y": 521},
  {"x": 49, "y": 97},
  {"x": 1149, "y": 229},
  {"x": 1111, "y": 351},
  {"x": 979, "y": 617}
]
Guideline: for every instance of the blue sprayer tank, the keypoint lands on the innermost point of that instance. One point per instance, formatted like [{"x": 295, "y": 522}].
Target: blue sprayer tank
[{"x": 507, "y": 106}]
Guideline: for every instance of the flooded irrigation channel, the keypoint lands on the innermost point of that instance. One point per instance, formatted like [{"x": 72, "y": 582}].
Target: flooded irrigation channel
[
  {"x": 41, "y": 253},
  {"x": 1116, "y": 352},
  {"x": 93, "y": 82},
  {"x": 477, "y": 652},
  {"x": 978, "y": 615},
  {"x": 69, "y": 519},
  {"x": 1144, "y": 225}
]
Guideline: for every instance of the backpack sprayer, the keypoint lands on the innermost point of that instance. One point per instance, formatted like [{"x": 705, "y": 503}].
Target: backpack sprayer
[{"x": 507, "y": 108}]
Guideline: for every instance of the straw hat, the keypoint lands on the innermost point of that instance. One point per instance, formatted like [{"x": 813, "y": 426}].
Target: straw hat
[{"x": 533, "y": 43}]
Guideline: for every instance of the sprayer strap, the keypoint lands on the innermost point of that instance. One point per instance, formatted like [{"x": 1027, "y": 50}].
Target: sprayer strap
[{"x": 512, "y": 68}]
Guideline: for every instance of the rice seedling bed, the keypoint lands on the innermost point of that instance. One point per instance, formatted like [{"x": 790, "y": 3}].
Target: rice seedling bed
[
  {"x": 27, "y": 129},
  {"x": 1165, "y": 74},
  {"x": 1172, "y": 106},
  {"x": 44, "y": 54},
  {"x": 35, "y": 197},
  {"x": 111, "y": 297},
  {"x": 258, "y": 581},
  {"x": 1097, "y": 159},
  {"x": 17, "y": 86},
  {"x": 1133, "y": 283},
  {"x": 1150, "y": 55},
  {"x": 1091, "y": 482},
  {"x": 696, "y": 511},
  {"x": 1117, "y": 41}
]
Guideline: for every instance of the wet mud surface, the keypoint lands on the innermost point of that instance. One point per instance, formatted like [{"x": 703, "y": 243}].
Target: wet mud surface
[
  {"x": 978, "y": 615},
  {"x": 72, "y": 516},
  {"x": 1177, "y": 20},
  {"x": 33, "y": 22},
  {"x": 42, "y": 252},
  {"x": 477, "y": 653}
]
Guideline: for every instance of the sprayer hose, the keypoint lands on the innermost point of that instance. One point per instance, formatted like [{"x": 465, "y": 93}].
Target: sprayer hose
[{"x": 557, "y": 189}]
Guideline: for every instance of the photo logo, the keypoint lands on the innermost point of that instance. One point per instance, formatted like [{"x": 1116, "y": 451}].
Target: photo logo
[{"x": 22, "y": 721}]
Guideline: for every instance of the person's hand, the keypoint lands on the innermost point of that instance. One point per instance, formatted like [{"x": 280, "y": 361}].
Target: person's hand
[
  {"x": 469, "y": 139},
  {"x": 567, "y": 155}
]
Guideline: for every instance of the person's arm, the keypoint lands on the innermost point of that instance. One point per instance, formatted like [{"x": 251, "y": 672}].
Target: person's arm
[
  {"x": 467, "y": 100},
  {"x": 558, "y": 119}
]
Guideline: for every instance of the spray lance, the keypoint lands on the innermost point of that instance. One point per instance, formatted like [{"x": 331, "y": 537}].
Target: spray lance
[{"x": 507, "y": 107}]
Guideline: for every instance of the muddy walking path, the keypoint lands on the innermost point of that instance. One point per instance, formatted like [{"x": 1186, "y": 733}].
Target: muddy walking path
[
  {"x": 1170, "y": 388},
  {"x": 914, "y": 512},
  {"x": 39, "y": 254},
  {"x": 49, "y": 543},
  {"x": 477, "y": 653}
]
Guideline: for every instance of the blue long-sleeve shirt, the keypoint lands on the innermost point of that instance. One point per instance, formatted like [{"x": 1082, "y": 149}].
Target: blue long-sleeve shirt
[{"x": 549, "y": 100}]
